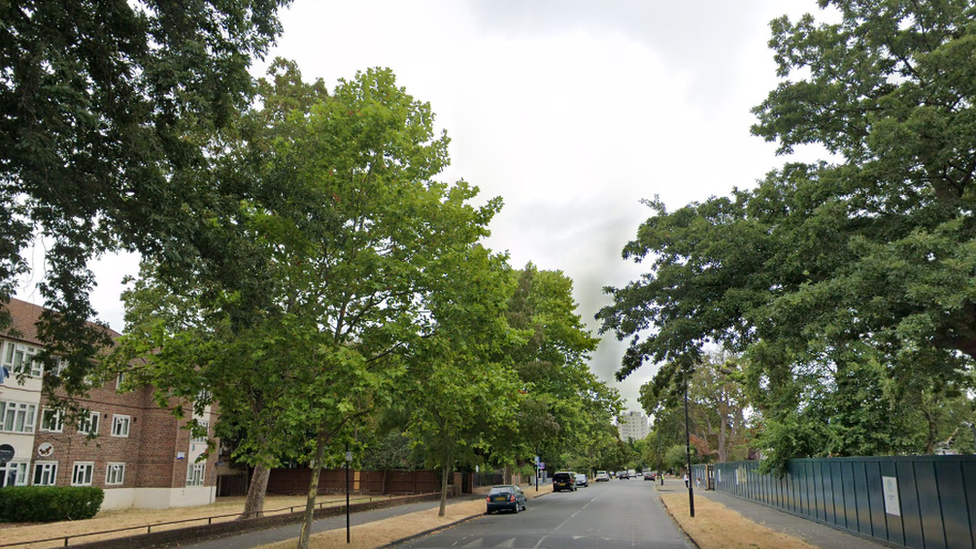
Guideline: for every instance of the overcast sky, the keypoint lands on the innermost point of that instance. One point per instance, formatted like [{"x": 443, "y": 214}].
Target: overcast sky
[{"x": 571, "y": 111}]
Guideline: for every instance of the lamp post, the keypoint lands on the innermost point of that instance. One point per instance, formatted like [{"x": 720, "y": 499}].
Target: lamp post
[
  {"x": 348, "y": 460},
  {"x": 691, "y": 489}
]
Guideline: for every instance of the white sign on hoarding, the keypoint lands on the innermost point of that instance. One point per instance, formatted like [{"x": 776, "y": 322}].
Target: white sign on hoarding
[{"x": 890, "y": 487}]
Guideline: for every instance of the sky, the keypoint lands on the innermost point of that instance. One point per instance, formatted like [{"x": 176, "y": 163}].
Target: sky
[{"x": 572, "y": 111}]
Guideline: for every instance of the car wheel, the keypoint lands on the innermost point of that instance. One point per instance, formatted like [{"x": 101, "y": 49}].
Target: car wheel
[
  {"x": 516, "y": 507},
  {"x": 525, "y": 506}
]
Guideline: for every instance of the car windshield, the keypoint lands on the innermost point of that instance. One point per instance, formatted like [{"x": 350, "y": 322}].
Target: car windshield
[{"x": 500, "y": 490}]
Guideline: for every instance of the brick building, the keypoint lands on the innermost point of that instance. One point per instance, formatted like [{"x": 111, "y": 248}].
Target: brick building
[{"x": 139, "y": 453}]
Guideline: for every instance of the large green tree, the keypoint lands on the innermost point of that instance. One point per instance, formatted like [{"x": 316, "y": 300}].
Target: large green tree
[
  {"x": 107, "y": 112},
  {"x": 873, "y": 246},
  {"x": 565, "y": 405},
  {"x": 352, "y": 233}
]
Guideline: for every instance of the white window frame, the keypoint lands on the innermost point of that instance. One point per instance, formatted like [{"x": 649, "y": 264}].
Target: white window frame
[
  {"x": 48, "y": 470},
  {"x": 114, "y": 474},
  {"x": 118, "y": 420},
  {"x": 119, "y": 379},
  {"x": 19, "y": 471},
  {"x": 9, "y": 412},
  {"x": 52, "y": 415},
  {"x": 203, "y": 439},
  {"x": 82, "y": 473},
  {"x": 195, "y": 473},
  {"x": 89, "y": 425},
  {"x": 16, "y": 354}
]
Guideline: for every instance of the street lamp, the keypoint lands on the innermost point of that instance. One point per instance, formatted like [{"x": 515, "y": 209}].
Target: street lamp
[
  {"x": 348, "y": 461},
  {"x": 691, "y": 489}
]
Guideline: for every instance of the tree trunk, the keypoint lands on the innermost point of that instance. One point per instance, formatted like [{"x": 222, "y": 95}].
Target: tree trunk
[
  {"x": 445, "y": 470},
  {"x": 313, "y": 486},
  {"x": 256, "y": 490}
]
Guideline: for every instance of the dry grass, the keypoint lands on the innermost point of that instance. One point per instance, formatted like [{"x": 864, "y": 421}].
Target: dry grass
[
  {"x": 383, "y": 532},
  {"x": 112, "y": 520},
  {"x": 715, "y": 526}
]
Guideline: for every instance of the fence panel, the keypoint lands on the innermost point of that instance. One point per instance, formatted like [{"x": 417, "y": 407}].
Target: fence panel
[
  {"x": 955, "y": 515},
  {"x": 920, "y": 502}
]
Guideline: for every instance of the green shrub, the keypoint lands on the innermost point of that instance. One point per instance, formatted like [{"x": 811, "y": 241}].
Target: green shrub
[{"x": 49, "y": 503}]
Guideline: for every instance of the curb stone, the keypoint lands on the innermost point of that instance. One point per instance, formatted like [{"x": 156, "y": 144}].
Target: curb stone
[{"x": 678, "y": 524}]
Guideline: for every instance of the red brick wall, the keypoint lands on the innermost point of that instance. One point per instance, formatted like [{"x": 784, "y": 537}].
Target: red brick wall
[{"x": 149, "y": 452}]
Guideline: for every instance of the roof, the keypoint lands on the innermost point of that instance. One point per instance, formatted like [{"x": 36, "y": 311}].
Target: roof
[{"x": 24, "y": 317}]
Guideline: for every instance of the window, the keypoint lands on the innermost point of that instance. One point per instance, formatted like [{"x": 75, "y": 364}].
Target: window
[
  {"x": 194, "y": 474},
  {"x": 19, "y": 356},
  {"x": 82, "y": 473},
  {"x": 205, "y": 429},
  {"x": 17, "y": 417},
  {"x": 45, "y": 473},
  {"x": 115, "y": 474},
  {"x": 89, "y": 425},
  {"x": 13, "y": 473},
  {"x": 120, "y": 425},
  {"x": 118, "y": 381},
  {"x": 52, "y": 420}
]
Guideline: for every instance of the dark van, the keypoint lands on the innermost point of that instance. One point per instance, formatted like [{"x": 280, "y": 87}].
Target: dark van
[{"x": 563, "y": 481}]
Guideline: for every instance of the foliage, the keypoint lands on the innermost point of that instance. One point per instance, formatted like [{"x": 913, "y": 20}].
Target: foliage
[
  {"x": 349, "y": 233},
  {"x": 460, "y": 387},
  {"x": 565, "y": 409},
  {"x": 49, "y": 503},
  {"x": 108, "y": 108},
  {"x": 392, "y": 451},
  {"x": 676, "y": 457},
  {"x": 819, "y": 261}
]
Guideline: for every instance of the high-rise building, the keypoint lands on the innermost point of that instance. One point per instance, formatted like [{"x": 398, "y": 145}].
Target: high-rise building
[{"x": 632, "y": 425}]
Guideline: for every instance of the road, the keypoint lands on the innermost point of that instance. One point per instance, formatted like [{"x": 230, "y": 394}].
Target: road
[{"x": 608, "y": 515}]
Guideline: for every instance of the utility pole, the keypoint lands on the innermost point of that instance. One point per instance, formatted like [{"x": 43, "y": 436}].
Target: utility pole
[{"x": 691, "y": 489}]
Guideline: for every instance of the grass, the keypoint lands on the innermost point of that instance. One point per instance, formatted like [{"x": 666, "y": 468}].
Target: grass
[
  {"x": 113, "y": 520},
  {"x": 715, "y": 526}
]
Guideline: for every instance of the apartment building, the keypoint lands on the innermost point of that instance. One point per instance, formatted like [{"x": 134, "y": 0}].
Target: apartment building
[
  {"x": 632, "y": 425},
  {"x": 129, "y": 446}
]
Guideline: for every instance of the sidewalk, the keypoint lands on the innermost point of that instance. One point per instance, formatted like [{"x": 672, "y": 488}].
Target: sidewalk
[{"x": 814, "y": 533}]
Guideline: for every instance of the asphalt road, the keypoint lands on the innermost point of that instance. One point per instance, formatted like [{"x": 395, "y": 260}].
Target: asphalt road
[{"x": 607, "y": 515}]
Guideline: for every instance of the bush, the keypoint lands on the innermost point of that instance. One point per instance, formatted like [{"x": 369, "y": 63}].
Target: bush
[{"x": 49, "y": 503}]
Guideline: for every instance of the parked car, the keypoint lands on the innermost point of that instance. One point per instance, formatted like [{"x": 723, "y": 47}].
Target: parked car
[
  {"x": 649, "y": 475},
  {"x": 581, "y": 480},
  {"x": 507, "y": 497},
  {"x": 563, "y": 480},
  {"x": 602, "y": 476},
  {"x": 623, "y": 475}
]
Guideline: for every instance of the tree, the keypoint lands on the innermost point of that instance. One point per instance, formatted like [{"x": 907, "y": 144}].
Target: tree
[
  {"x": 190, "y": 336},
  {"x": 565, "y": 406},
  {"x": 873, "y": 248},
  {"x": 351, "y": 232},
  {"x": 461, "y": 387},
  {"x": 108, "y": 108}
]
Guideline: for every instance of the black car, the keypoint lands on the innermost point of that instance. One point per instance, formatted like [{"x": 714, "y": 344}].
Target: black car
[
  {"x": 564, "y": 481},
  {"x": 509, "y": 497}
]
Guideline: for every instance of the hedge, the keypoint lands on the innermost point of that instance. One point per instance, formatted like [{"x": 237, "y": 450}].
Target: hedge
[{"x": 49, "y": 503}]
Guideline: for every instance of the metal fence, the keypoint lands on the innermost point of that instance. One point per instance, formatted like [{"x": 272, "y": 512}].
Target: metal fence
[{"x": 921, "y": 502}]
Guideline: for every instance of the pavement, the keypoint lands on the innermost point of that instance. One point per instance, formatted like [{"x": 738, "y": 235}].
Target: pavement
[
  {"x": 262, "y": 537},
  {"x": 814, "y": 533}
]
